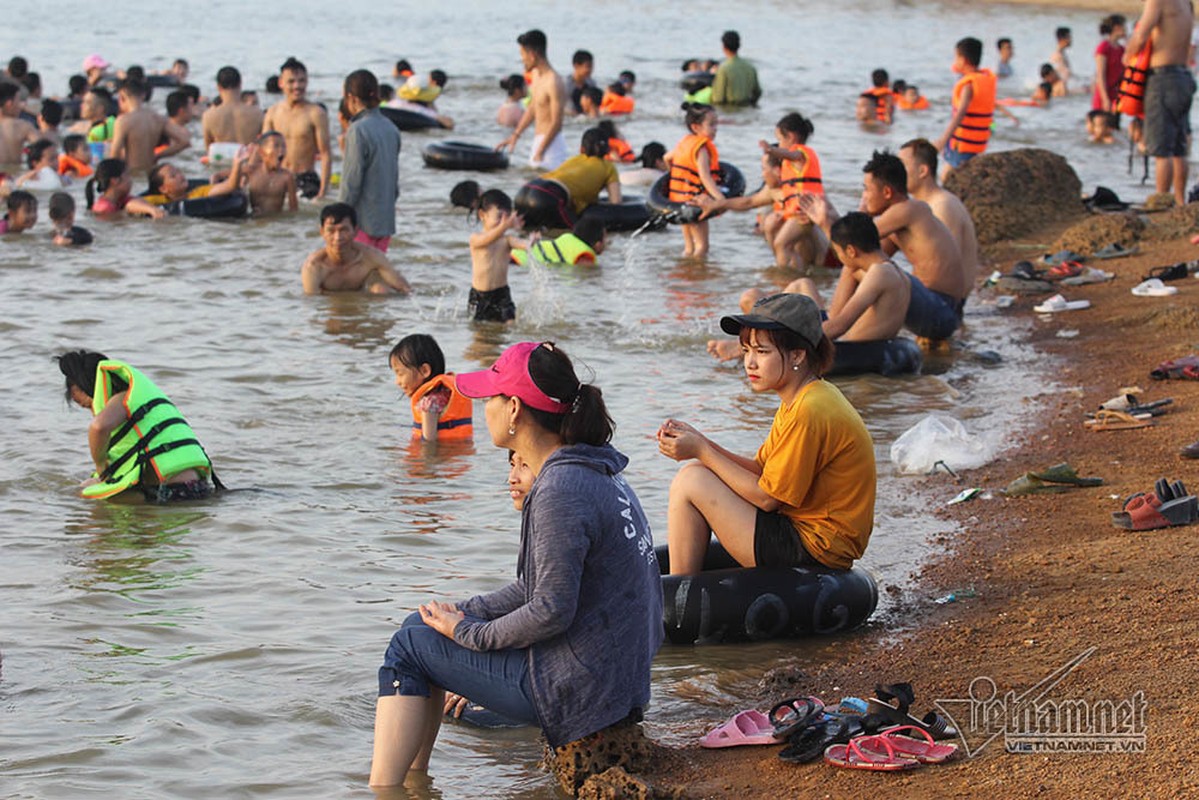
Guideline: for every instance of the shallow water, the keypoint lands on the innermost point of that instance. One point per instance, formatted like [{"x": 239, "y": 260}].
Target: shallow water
[{"x": 229, "y": 649}]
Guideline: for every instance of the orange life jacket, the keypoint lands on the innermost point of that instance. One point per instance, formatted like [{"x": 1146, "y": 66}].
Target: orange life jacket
[
  {"x": 920, "y": 104},
  {"x": 69, "y": 165},
  {"x": 614, "y": 104},
  {"x": 881, "y": 108},
  {"x": 455, "y": 423},
  {"x": 619, "y": 150},
  {"x": 799, "y": 180},
  {"x": 974, "y": 131},
  {"x": 1130, "y": 96},
  {"x": 685, "y": 181}
]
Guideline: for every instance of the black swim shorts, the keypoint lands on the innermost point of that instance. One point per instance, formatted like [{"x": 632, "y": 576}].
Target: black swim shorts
[
  {"x": 177, "y": 492},
  {"x": 1168, "y": 95},
  {"x": 493, "y": 306},
  {"x": 777, "y": 543}
]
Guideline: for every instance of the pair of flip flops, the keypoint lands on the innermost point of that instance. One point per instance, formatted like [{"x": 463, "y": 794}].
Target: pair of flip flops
[
  {"x": 752, "y": 727},
  {"x": 1168, "y": 505},
  {"x": 891, "y": 751},
  {"x": 1107, "y": 420}
]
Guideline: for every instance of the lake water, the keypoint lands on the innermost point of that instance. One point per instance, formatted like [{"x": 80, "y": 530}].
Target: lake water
[{"x": 229, "y": 649}]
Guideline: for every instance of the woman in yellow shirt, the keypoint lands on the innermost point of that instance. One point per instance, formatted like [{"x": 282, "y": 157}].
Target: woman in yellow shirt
[
  {"x": 557, "y": 198},
  {"x": 807, "y": 496}
]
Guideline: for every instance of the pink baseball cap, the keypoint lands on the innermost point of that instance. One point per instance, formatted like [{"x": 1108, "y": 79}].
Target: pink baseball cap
[
  {"x": 95, "y": 61},
  {"x": 509, "y": 376}
]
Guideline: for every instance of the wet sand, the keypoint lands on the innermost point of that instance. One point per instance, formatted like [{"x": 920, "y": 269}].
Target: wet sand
[{"x": 1053, "y": 578}]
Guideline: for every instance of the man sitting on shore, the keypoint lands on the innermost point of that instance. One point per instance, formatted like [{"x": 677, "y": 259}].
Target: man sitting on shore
[
  {"x": 919, "y": 158},
  {"x": 344, "y": 265}
]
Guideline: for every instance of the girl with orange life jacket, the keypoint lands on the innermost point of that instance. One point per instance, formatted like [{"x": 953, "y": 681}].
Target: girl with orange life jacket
[
  {"x": 616, "y": 102},
  {"x": 439, "y": 411},
  {"x": 618, "y": 149},
  {"x": 795, "y": 243},
  {"x": 694, "y": 165}
]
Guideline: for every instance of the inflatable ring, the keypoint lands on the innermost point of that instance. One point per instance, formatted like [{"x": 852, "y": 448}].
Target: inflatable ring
[
  {"x": 223, "y": 206},
  {"x": 162, "y": 81},
  {"x": 730, "y": 179},
  {"x": 627, "y": 215},
  {"x": 407, "y": 120},
  {"x": 737, "y": 604},
  {"x": 692, "y": 82},
  {"x": 463, "y": 155},
  {"x": 898, "y": 356}
]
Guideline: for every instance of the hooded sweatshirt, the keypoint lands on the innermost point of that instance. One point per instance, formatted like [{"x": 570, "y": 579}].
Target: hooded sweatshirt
[{"x": 587, "y": 600}]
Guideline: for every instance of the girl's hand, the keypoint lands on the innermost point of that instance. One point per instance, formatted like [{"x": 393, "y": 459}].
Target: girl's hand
[
  {"x": 441, "y": 617},
  {"x": 679, "y": 441}
]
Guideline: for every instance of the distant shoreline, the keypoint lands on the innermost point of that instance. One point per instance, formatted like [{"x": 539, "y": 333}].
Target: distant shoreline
[{"x": 1110, "y": 6}]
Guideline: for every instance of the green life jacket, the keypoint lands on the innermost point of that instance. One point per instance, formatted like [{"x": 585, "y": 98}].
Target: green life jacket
[
  {"x": 566, "y": 249},
  {"x": 703, "y": 96},
  {"x": 102, "y": 131},
  {"x": 154, "y": 433}
]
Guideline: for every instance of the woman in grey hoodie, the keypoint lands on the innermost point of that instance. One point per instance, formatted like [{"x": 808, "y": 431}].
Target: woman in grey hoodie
[{"x": 568, "y": 645}]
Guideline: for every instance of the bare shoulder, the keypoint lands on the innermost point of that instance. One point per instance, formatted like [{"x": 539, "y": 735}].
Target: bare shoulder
[{"x": 372, "y": 256}]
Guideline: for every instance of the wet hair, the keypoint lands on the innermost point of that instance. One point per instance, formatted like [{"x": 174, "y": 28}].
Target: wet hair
[
  {"x": 293, "y": 64},
  {"x": 651, "y": 154},
  {"x": 587, "y": 421},
  {"x": 78, "y": 368},
  {"x": 879, "y": 78},
  {"x": 819, "y": 358},
  {"x": 181, "y": 62},
  {"x": 228, "y": 78},
  {"x": 268, "y": 135},
  {"x": 191, "y": 90},
  {"x": 731, "y": 41},
  {"x": 362, "y": 84},
  {"x": 924, "y": 153},
  {"x": 696, "y": 113},
  {"x": 627, "y": 76},
  {"x": 22, "y": 199},
  {"x": 999, "y": 44},
  {"x": 886, "y": 168},
  {"x": 582, "y": 57},
  {"x": 61, "y": 206},
  {"x": 899, "y": 85},
  {"x": 438, "y": 77},
  {"x": 35, "y": 151},
  {"x": 1062, "y": 33},
  {"x": 8, "y": 91},
  {"x": 107, "y": 171},
  {"x": 157, "y": 178},
  {"x": 77, "y": 84},
  {"x": 856, "y": 229},
  {"x": 17, "y": 67},
  {"x": 1047, "y": 88},
  {"x": 592, "y": 93},
  {"x": 137, "y": 72},
  {"x": 533, "y": 41},
  {"x": 495, "y": 198},
  {"x": 590, "y": 230},
  {"x": 617, "y": 88},
  {"x": 512, "y": 83},
  {"x": 403, "y": 66},
  {"x": 465, "y": 194},
  {"x": 177, "y": 101},
  {"x": 103, "y": 94},
  {"x": 33, "y": 83},
  {"x": 797, "y": 124},
  {"x": 338, "y": 213},
  {"x": 970, "y": 49},
  {"x": 911, "y": 87},
  {"x": 1047, "y": 70},
  {"x": 51, "y": 112},
  {"x": 387, "y": 92},
  {"x": 272, "y": 85},
  {"x": 608, "y": 128},
  {"x": 417, "y": 349},
  {"x": 132, "y": 87},
  {"x": 594, "y": 143},
  {"x": 71, "y": 143}
]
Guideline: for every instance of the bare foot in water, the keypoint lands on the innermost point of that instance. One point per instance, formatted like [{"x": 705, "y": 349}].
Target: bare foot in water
[{"x": 724, "y": 349}]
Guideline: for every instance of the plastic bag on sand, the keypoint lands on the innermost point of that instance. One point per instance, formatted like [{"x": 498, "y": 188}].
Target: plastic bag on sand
[{"x": 934, "y": 439}]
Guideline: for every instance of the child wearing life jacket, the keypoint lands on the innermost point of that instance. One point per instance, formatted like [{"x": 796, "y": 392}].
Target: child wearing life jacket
[
  {"x": 439, "y": 411},
  {"x": 794, "y": 240},
  {"x": 75, "y": 160},
  {"x": 912, "y": 100},
  {"x": 580, "y": 246},
  {"x": 880, "y": 92},
  {"x": 969, "y": 128},
  {"x": 617, "y": 100},
  {"x": 618, "y": 148},
  {"x": 115, "y": 189},
  {"x": 693, "y": 167}
]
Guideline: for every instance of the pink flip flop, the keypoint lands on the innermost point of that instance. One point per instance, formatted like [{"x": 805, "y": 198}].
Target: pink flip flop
[
  {"x": 744, "y": 728},
  {"x": 875, "y": 753},
  {"x": 919, "y": 746}
]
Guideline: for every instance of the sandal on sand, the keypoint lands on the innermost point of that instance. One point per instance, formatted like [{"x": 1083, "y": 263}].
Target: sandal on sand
[
  {"x": 1064, "y": 473},
  {"x": 1025, "y": 271},
  {"x": 1066, "y": 269},
  {"x": 1058, "y": 303},
  {"x": 874, "y": 753},
  {"x": 1053, "y": 259},
  {"x": 1153, "y": 287},
  {"x": 1174, "y": 272},
  {"x": 1030, "y": 484},
  {"x": 1169, "y": 505},
  {"x": 920, "y": 747},
  {"x": 1186, "y": 367},
  {"x": 1154, "y": 409},
  {"x": 743, "y": 728},
  {"x": 1115, "y": 250},
  {"x": 1190, "y": 451},
  {"x": 1088, "y": 275},
  {"x": 897, "y": 712},
  {"x": 794, "y": 714},
  {"x": 1107, "y": 420}
]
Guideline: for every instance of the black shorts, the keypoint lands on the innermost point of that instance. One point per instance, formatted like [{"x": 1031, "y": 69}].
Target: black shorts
[
  {"x": 177, "y": 492},
  {"x": 544, "y": 204},
  {"x": 308, "y": 184},
  {"x": 493, "y": 306},
  {"x": 777, "y": 543}
]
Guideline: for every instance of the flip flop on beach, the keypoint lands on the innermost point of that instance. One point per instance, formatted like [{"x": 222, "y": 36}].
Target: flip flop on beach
[
  {"x": 1066, "y": 269},
  {"x": 1058, "y": 303},
  {"x": 1169, "y": 505},
  {"x": 875, "y": 753},
  {"x": 1190, "y": 451},
  {"x": 1182, "y": 368},
  {"x": 1115, "y": 250},
  {"x": 1173, "y": 272},
  {"x": 920, "y": 746},
  {"x": 743, "y": 728},
  {"x": 1153, "y": 287},
  {"x": 794, "y": 714},
  {"x": 1088, "y": 275},
  {"x": 1108, "y": 420}
]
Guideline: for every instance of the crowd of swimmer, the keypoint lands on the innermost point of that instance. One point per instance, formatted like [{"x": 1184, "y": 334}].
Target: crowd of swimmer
[{"x": 568, "y": 645}]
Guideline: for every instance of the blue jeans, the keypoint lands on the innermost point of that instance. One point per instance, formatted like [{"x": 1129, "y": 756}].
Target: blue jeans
[
  {"x": 932, "y": 315},
  {"x": 955, "y": 158},
  {"x": 497, "y": 680}
]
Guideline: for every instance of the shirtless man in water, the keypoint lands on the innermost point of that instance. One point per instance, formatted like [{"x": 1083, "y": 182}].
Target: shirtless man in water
[
  {"x": 138, "y": 130},
  {"x": 547, "y": 103},
  {"x": 1169, "y": 90},
  {"x": 919, "y": 158},
  {"x": 15, "y": 132},
  {"x": 232, "y": 120},
  {"x": 344, "y": 265},
  {"x": 305, "y": 125},
  {"x": 940, "y": 283}
]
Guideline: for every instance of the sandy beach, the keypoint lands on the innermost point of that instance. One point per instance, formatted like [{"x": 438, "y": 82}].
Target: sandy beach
[{"x": 1053, "y": 578}]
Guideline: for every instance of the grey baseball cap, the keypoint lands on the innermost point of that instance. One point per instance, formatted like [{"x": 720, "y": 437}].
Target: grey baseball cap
[{"x": 793, "y": 312}]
